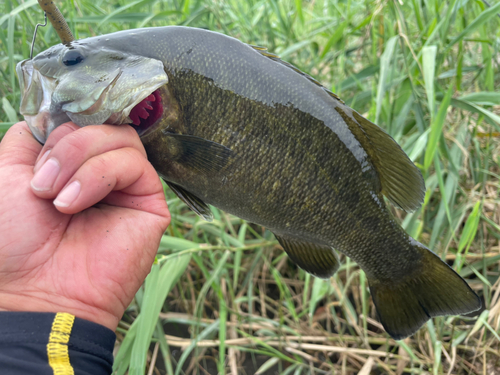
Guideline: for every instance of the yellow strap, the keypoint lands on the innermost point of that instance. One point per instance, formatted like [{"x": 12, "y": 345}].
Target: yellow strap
[{"x": 57, "y": 347}]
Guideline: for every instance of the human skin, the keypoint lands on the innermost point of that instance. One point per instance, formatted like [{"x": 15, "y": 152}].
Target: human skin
[{"x": 85, "y": 250}]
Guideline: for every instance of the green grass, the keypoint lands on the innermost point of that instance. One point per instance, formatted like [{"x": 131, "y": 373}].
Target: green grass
[{"x": 223, "y": 297}]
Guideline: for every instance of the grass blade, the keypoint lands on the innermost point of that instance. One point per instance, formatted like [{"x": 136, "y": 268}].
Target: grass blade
[
  {"x": 147, "y": 321},
  {"x": 437, "y": 128},
  {"x": 429, "y": 65},
  {"x": 385, "y": 62},
  {"x": 485, "y": 16},
  {"x": 9, "y": 111}
]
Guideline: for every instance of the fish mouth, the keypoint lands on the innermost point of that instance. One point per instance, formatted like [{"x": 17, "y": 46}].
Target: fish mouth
[{"x": 146, "y": 114}]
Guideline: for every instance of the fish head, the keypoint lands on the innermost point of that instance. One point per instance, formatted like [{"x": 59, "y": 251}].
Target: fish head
[{"x": 89, "y": 85}]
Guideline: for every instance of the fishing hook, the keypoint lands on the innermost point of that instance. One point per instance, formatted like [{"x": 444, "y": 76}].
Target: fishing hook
[{"x": 34, "y": 35}]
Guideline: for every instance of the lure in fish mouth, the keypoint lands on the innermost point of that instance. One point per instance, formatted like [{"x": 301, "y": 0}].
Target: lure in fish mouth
[{"x": 77, "y": 83}]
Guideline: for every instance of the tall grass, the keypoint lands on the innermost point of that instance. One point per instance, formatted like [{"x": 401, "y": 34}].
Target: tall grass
[{"x": 223, "y": 298}]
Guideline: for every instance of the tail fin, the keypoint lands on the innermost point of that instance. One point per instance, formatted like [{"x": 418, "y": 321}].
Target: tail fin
[{"x": 434, "y": 289}]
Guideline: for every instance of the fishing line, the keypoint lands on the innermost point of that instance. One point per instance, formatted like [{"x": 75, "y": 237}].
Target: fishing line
[{"x": 34, "y": 35}]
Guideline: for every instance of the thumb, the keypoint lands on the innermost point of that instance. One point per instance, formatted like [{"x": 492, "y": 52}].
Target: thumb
[{"x": 18, "y": 146}]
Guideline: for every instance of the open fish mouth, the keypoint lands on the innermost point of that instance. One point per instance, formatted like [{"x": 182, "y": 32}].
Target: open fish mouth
[
  {"x": 104, "y": 88},
  {"x": 145, "y": 115}
]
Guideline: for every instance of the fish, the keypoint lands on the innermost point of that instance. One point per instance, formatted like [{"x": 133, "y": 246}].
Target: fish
[{"x": 231, "y": 125}]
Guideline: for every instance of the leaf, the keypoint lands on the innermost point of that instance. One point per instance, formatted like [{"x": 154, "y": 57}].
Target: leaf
[
  {"x": 267, "y": 365},
  {"x": 237, "y": 256},
  {"x": 489, "y": 116},
  {"x": 207, "y": 332},
  {"x": 146, "y": 321},
  {"x": 483, "y": 321},
  {"x": 385, "y": 62},
  {"x": 437, "y": 128},
  {"x": 18, "y": 9},
  {"x": 482, "y": 18},
  {"x": 408, "y": 350},
  {"x": 419, "y": 145},
  {"x": 453, "y": 72},
  {"x": 319, "y": 290},
  {"x": 127, "y": 17},
  {"x": 122, "y": 9},
  {"x": 429, "y": 67},
  {"x": 298, "y": 6},
  {"x": 4, "y": 126},
  {"x": 470, "y": 228},
  {"x": 9, "y": 110},
  {"x": 336, "y": 36},
  {"x": 133, "y": 347},
  {"x": 215, "y": 275},
  {"x": 356, "y": 79},
  {"x": 293, "y": 48},
  {"x": 222, "y": 333},
  {"x": 10, "y": 48},
  {"x": 438, "y": 346},
  {"x": 482, "y": 98},
  {"x": 185, "y": 7},
  {"x": 176, "y": 243}
]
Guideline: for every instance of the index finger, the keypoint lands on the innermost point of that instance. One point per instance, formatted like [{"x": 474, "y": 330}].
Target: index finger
[
  {"x": 67, "y": 149},
  {"x": 117, "y": 136}
]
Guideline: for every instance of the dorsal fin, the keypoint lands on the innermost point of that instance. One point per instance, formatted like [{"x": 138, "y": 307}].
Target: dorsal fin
[
  {"x": 401, "y": 181},
  {"x": 264, "y": 52}
]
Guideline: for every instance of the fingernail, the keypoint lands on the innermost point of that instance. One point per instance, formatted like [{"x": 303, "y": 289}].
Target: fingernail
[
  {"x": 46, "y": 175},
  {"x": 40, "y": 162},
  {"x": 68, "y": 195}
]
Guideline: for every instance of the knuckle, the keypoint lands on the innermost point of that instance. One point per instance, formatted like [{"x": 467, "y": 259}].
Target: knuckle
[
  {"x": 75, "y": 143},
  {"x": 100, "y": 164},
  {"x": 98, "y": 171},
  {"x": 60, "y": 132},
  {"x": 130, "y": 130},
  {"x": 132, "y": 153}
]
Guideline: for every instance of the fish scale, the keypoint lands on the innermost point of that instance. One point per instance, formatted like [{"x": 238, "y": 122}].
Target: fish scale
[{"x": 252, "y": 135}]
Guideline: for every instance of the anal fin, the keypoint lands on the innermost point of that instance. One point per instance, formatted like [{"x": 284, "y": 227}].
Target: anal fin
[
  {"x": 192, "y": 201},
  {"x": 319, "y": 260}
]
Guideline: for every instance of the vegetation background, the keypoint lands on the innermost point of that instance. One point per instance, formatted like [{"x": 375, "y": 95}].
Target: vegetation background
[{"x": 222, "y": 297}]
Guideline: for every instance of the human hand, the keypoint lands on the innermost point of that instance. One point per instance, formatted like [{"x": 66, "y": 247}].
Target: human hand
[{"x": 87, "y": 252}]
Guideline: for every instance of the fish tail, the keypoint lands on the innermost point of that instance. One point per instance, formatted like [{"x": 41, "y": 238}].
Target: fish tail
[{"x": 431, "y": 290}]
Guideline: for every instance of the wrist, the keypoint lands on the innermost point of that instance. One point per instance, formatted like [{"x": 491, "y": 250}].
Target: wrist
[
  {"x": 54, "y": 343},
  {"x": 44, "y": 302}
]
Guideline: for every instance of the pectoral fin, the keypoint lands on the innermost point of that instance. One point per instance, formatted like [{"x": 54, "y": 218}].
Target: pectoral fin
[
  {"x": 192, "y": 201},
  {"x": 319, "y": 260},
  {"x": 201, "y": 154}
]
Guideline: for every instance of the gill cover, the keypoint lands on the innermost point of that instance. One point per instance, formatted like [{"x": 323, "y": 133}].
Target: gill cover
[{"x": 75, "y": 82}]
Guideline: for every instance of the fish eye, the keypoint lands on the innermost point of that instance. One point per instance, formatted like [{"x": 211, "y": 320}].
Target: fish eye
[{"x": 72, "y": 57}]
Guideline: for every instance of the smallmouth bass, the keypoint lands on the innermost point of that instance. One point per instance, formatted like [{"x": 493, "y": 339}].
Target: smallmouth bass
[{"x": 232, "y": 125}]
